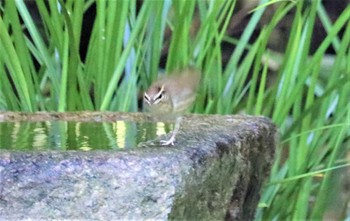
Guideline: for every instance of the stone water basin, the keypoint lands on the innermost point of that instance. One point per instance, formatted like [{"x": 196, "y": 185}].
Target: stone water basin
[{"x": 108, "y": 166}]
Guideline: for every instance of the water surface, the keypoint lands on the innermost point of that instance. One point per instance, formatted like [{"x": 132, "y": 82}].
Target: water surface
[{"x": 63, "y": 135}]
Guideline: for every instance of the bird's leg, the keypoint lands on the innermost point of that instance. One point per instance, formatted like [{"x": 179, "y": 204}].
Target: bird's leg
[{"x": 175, "y": 131}]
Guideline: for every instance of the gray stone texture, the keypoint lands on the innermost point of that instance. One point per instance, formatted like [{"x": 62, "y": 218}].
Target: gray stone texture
[{"x": 215, "y": 171}]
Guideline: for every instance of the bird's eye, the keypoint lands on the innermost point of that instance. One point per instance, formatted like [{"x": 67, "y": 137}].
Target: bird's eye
[
  {"x": 159, "y": 98},
  {"x": 146, "y": 97}
]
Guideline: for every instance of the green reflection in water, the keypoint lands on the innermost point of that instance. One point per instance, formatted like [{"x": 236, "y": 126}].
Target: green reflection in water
[{"x": 62, "y": 135}]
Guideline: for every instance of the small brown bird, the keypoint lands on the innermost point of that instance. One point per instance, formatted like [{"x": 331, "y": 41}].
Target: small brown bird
[{"x": 170, "y": 96}]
